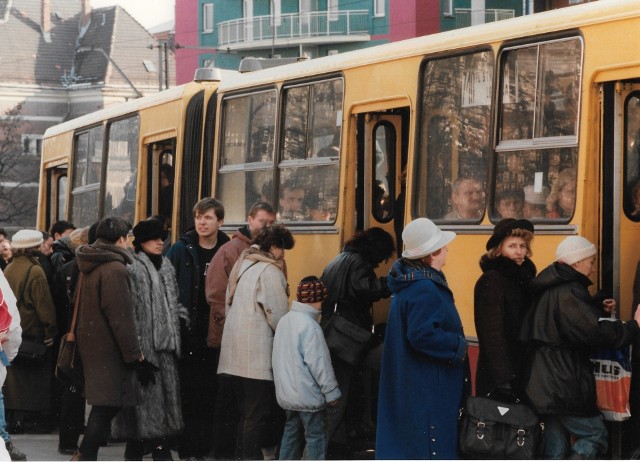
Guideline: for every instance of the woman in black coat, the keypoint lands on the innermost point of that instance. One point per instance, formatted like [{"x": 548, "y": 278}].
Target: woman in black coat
[
  {"x": 353, "y": 287},
  {"x": 500, "y": 301}
]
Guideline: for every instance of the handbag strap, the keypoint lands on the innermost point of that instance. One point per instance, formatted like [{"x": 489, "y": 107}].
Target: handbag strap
[{"x": 76, "y": 303}]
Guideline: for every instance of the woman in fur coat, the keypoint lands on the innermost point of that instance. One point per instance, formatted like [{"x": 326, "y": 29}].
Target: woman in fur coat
[
  {"x": 501, "y": 298},
  {"x": 157, "y": 312}
]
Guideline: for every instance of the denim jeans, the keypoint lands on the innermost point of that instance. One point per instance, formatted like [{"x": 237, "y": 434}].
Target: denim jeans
[
  {"x": 302, "y": 428},
  {"x": 3, "y": 421},
  {"x": 589, "y": 433}
]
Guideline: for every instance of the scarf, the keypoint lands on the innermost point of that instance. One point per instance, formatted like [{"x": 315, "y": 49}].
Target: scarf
[{"x": 255, "y": 255}]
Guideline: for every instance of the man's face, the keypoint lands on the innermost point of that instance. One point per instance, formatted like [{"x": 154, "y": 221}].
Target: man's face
[
  {"x": 291, "y": 200},
  {"x": 46, "y": 246},
  {"x": 260, "y": 221},
  {"x": 468, "y": 199},
  {"x": 533, "y": 210},
  {"x": 6, "y": 250},
  {"x": 510, "y": 207},
  {"x": 207, "y": 223}
]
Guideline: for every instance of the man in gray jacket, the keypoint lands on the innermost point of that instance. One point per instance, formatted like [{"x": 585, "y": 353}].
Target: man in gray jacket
[{"x": 303, "y": 375}]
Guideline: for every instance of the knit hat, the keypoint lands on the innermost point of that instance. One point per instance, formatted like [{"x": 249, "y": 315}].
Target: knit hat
[
  {"x": 311, "y": 290},
  {"x": 26, "y": 238},
  {"x": 574, "y": 249},
  {"x": 503, "y": 229},
  {"x": 147, "y": 230},
  {"x": 422, "y": 237}
]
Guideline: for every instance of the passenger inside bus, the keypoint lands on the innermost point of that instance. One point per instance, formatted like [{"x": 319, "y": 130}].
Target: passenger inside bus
[
  {"x": 317, "y": 209},
  {"x": 290, "y": 203},
  {"x": 562, "y": 200},
  {"x": 509, "y": 204},
  {"x": 535, "y": 202},
  {"x": 467, "y": 200},
  {"x": 635, "y": 202},
  {"x": 165, "y": 205}
]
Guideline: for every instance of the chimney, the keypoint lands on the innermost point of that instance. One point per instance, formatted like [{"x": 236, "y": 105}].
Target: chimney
[
  {"x": 45, "y": 20},
  {"x": 86, "y": 14}
]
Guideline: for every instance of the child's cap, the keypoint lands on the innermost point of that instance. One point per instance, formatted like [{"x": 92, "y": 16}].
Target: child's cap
[{"x": 311, "y": 290}]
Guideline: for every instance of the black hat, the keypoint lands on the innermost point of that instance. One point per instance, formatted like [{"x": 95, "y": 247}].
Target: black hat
[
  {"x": 147, "y": 230},
  {"x": 503, "y": 229}
]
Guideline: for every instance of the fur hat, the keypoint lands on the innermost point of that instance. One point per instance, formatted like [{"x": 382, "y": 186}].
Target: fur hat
[
  {"x": 26, "y": 239},
  {"x": 574, "y": 249},
  {"x": 422, "y": 237},
  {"x": 503, "y": 229},
  {"x": 147, "y": 230},
  {"x": 311, "y": 290}
]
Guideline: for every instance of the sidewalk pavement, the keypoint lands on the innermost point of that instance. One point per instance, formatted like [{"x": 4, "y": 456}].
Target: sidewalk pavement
[{"x": 45, "y": 447}]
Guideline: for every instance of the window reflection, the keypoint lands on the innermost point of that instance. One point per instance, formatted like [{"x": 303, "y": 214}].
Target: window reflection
[
  {"x": 631, "y": 201},
  {"x": 454, "y": 141}
]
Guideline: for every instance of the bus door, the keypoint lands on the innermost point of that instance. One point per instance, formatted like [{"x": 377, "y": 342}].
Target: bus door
[
  {"x": 381, "y": 183},
  {"x": 56, "y": 194},
  {"x": 160, "y": 178},
  {"x": 621, "y": 192},
  {"x": 620, "y": 227}
]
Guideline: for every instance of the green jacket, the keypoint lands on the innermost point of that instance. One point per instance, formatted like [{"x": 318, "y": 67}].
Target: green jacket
[{"x": 37, "y": 311}]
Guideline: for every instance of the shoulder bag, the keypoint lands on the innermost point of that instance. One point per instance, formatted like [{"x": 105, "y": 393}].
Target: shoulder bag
[
  {"x": 492, "y": 429},
  {"x": 69, "y": 366},
  {"x": 346, "y": 339},
  {"x": 31, "y": 351}
]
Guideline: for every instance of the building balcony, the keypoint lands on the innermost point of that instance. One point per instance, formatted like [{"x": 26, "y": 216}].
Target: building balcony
[
  {"x": 466, "y": 17},
  {"x": 312, "y": 28}
]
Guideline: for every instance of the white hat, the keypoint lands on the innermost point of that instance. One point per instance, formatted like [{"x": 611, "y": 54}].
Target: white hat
[
  {"x": 26, "y": 238},
  {"x": 422, "y": 237},
  {"x": 574, "y": 249},
  {"x": 533, "y": 197}
]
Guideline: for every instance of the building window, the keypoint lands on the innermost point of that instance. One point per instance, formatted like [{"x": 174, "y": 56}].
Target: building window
[
  {"x": 378, "y": 8},
  {"x": 32, "y": 144},
  {"x": 207, "y": 17},
  {"x": 447, "y": 8}
]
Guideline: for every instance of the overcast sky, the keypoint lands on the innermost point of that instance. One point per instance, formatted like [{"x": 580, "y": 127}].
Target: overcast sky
[{"x": 149, "y": 13}]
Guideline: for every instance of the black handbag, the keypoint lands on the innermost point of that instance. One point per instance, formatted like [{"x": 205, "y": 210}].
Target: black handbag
[
  {"x": 345, "y": 339},
  {"x": 68, "y": 365},
  {"x": 492, "y": 429}
]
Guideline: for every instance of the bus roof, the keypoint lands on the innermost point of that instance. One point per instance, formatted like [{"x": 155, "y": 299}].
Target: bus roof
[
  {"x": 522, "y": 26},
  {"x": 117, "y": 110}
]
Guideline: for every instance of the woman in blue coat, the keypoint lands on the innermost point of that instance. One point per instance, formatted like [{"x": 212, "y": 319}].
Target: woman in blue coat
[{"x": 424, "y": 373}]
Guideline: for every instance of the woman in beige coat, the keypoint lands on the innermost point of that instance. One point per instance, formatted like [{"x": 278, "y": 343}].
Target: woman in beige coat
[{"x": 257, "y": 297}]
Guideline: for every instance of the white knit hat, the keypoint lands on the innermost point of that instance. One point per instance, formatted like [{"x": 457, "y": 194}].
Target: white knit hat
[
  {"x": 422, "y": 237},
  {"x": 574, "y": 249},
  {"x": 26, "y": 238}
]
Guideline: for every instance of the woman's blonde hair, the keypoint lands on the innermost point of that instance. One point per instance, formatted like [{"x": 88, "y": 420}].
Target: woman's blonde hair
[
  {"x": 525, "y": 234},
  {"x": 565, "y": 178}
]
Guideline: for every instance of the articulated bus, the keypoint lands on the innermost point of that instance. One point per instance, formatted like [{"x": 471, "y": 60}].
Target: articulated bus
[{"x": 536, "y": 116}]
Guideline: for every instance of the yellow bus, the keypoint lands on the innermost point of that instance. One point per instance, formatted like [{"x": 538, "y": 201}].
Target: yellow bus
[{"x": 489, "y": 121}]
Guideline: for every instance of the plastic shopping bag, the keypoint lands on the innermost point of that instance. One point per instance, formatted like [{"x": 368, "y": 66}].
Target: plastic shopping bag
[{"x": 612, "y": 371}]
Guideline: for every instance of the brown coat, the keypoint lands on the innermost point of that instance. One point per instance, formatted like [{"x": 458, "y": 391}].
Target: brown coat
[{"x": 106, "y": 331}]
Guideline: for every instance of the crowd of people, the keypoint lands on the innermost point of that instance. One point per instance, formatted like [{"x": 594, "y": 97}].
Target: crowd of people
[{"x": 195, "y": 347}]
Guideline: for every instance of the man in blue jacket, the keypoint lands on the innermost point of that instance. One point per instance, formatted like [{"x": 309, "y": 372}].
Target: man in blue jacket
[{"x": 190, "y": 256}]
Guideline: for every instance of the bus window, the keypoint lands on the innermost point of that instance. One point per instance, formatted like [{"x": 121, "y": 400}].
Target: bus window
[
  {"x": 247, "y": 149},
  {"x": 540, "y": 88},
  {"x": 62, "y": 198},
  {"x": 454, "y": 138},
  {"x": 539, "y": 185},
  {"x": 309, "y": 169},
  {"x": 537, "y": 154},
  {"x": 384, "y": 173},
  {"x": 632, "y": 158},
  {"x": 87, "y": 168},
  {"x": 122, "y": 169}
]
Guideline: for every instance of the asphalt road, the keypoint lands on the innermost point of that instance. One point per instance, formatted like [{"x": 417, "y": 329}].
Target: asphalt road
[{"x": 45, "y": 447}]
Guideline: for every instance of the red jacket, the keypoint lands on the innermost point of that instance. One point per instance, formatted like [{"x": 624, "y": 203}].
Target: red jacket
[{"x": 216, "y": 284}]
